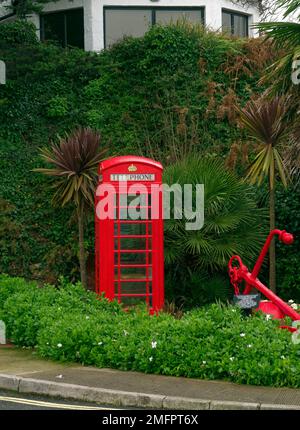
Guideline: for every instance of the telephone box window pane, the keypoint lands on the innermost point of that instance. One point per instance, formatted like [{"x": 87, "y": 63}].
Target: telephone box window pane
[
  {"x": 134, "y": 214},
  {"x": 128, "y": 200},
  {"x": 130, "y": 229},
  {"x": 133, "y": 243},
  {"x": 133, "y": 288},
  {"x": 126, "y": 22},
  {"x": 166, "y": 17},
  {"x": 132, "y": 301},
  {"x": 133, "y": 273},
  {"x": 133, "y": 258}
]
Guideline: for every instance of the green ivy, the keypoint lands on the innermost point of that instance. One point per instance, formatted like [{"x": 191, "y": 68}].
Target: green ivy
[{"x": 133, "y": 93}]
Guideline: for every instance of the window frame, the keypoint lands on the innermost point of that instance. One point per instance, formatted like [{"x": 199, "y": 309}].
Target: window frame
[
  {"x": 234, "y": 13},
  {"x": 153, "y": 9},
  {"x": 57, "y": 12}
]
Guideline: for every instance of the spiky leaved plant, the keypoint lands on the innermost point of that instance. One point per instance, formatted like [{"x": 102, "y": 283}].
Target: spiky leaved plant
[
  {"x": 74, "y": 162},
  {"x": 232, "y": 222},
  {"x": 266, "y": 122},
  {"x": 285, "y": 36}
]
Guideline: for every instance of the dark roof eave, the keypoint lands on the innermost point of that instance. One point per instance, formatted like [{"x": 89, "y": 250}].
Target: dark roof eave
[{"x": 9, "y": 15}]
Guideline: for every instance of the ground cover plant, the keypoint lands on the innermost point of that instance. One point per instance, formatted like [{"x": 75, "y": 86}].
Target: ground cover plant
[{"x": 214, "y": 342}]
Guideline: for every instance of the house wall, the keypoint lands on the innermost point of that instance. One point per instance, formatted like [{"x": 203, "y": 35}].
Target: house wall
[
  {"x": 3, "y": 10},
  {"x": 93, "y": 14}
]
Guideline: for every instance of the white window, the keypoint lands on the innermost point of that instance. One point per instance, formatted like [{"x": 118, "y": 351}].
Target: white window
[
  {"x": 234, "y": 23},
  {"x": 136, "y": 21}
]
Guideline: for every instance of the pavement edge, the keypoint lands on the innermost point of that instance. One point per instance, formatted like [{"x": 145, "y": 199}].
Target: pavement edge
[{"x": 125, "y": 398}]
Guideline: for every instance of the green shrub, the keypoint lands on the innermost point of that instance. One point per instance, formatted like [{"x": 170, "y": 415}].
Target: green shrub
[
  {"x": 233, "y": 225},
  {"x": 57, "y": 107},
  {"x": 204, "y": 344},
  {"x": 23, "y": 306},
  {"x": 18, "y": 32},
  {"x": 214, "y": 342},
  {"x": 288, "y": 257},
  {"x": 12, "y": 286},
  {"x": 189, "y": 289}
]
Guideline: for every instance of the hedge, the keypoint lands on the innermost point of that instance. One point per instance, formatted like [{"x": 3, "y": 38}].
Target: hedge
[{"x": 214, "y": 342}]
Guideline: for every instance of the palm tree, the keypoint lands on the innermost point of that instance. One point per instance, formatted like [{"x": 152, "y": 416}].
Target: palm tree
[
  {"x": 285, "y": 37},
  {"x": 231, "y": 218},
  {"x": 75, "y": 160},
  {"x": 265, "y": 121}
]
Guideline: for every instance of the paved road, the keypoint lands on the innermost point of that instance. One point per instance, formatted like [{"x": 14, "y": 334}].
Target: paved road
[{"x": 15, "y": 401}]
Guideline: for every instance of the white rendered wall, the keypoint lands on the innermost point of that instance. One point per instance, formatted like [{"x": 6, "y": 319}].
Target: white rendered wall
[
  {"x": 93, "y": 14},
  {"x": 3, "y": 10}
]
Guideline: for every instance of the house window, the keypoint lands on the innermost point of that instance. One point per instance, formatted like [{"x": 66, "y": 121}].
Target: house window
[
  {"x": 235, "y": 23},
  {"x": 136, "y": 21},
  {"x": 66, "y": 27}
]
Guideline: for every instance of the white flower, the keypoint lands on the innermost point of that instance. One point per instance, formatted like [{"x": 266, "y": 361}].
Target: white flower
[
  {"x": 87, "y": 317},
  {"x": 296, "y": 338},
  {"x": 291, "y": 301},
  {"x": 154, "y": 344},
  {"x": 242, "y": 334},
  {"x": 282, "y": 357},
  {"x": 268, "y": 317},
  {"x": 100, "y": 343},
  {"x": 59, "y": 345},
  {"x": 294, "y": 306},
  {"x": 231, "y": 358},
  {"x": 125, "y": 333},
  {"x": 249, "y": 346},
  {"x": 150, "y": 358},
  {"x": 233, "y": 310},
  {"x": 203, "y": 362}
]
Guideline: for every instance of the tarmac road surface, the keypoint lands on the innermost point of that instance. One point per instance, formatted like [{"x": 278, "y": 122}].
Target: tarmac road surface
[{"x": 15, "y": 401}]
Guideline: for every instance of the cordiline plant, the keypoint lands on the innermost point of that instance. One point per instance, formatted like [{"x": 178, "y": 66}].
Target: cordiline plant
[
  {"x": 74, "y": 162},
  {"x": 267, "y": 125}
]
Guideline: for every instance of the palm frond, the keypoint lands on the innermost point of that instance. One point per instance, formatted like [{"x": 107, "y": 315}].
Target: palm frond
[
  {"x": 282, "y": 34},
  {"x": 290, "y": 6},
  {"x": 232, "y": 222},
  {"x": 281, "y": 168}
]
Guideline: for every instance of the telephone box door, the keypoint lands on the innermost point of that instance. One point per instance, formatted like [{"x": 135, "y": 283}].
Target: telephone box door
[{"x": 129, "y": 244}]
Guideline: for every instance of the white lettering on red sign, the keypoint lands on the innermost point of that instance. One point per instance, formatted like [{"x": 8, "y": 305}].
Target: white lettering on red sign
[{"x": 133, "y": 177}]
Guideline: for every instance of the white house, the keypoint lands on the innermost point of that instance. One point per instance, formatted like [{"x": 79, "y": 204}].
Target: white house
[{"x": 96, "y": 24}]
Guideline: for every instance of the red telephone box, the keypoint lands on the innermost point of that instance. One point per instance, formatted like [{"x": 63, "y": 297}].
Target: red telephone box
[{"x": 129, "y": 231}]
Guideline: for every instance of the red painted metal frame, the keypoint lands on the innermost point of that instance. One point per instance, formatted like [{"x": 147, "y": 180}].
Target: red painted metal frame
[
  {"x": 240, "y": 273},
  {"x": 108, "y": 256},
  {"x": 284, "y": 237}
]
